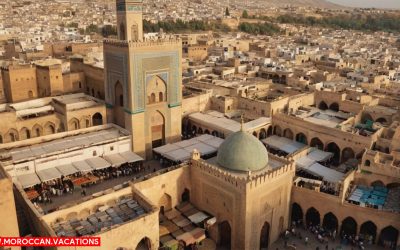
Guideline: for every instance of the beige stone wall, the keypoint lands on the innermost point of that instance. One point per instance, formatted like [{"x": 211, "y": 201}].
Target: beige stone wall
[
  {"x": 74, "y": 82},
  {"x": 197, "y": 103},
  {"x": 94, "y": 79},
  {"x": 8, "y": 216},
  {"x": 197, "y": 53},
  {"x": 166, "y": 189},
  {"x": 49, "y": 80},
  {"x": 20, "y": 83}
]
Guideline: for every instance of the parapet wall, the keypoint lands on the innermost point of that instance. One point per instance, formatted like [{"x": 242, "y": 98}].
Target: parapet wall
[
  {"x": 147, "y": 43},
  {"x": 241, "y": 180}
]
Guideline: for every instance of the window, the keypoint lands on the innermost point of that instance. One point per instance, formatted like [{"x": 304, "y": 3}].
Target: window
[
  {"x": 160, "y": 97},
  {"x": 94, "y": 153},
  {"x": 80, "y": 85},
  {"x": 112, "y": 148},
  {"x": 121, "y": 100}
]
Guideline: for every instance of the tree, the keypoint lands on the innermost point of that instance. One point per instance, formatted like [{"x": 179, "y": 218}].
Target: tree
[
  {"x": 227, "y": 12},
  {"x": 245, "y": 14}
]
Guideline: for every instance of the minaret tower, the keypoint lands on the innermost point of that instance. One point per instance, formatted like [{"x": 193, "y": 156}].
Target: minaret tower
[{"x": 130, "y": 20}]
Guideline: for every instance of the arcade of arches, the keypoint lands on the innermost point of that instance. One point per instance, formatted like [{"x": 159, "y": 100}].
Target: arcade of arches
[
  {"x": 339, "y": 155},
  {"x": 387, "y": 236}
]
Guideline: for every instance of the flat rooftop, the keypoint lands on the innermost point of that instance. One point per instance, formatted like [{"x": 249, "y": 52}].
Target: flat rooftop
[
  {"x": 217, "y": 120},
  {"x": 52, "y": 145},
  {"x": 77, "y": 101},
  {"x": 327, "y": 118}
]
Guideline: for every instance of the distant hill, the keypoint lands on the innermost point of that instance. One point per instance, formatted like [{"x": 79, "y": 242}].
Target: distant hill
[{"x": 306, "y": 3}]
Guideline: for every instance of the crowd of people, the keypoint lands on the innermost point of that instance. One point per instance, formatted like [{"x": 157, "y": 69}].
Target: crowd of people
[
  {"x": 46, "y": 191},
  {"x": 326, "y": 237}
]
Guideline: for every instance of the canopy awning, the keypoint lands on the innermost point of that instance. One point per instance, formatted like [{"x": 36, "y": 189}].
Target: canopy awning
[
  {"x": 115, "y": 160},
  {"x": 178, "y": 155},
  {"x": 166, "y": 148},
  {"x": 131, "y": 157},
  {"x": 28, "y": 180},
  {"x": 283, "y": 144},
  {"x": 214, "y": 142},
  {"x": 319, "y": 155},
  {"x": 67, "y": 169},
  {"x": 198, "y": 217},
  {"x": 204, "y": 149},
  {"x": 48, "y": 174},
  {"x": 304, "y": 162},
  {"x": 98, "y": 163},
  {"x": 327, "y": 174},
  {"x": 82, "y": 166}
]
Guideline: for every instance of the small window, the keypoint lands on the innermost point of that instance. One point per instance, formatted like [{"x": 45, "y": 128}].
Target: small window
[
  {"x": 121, "y": 100},
  {"x": 112, "y": 148},
  {"x": 94, "y": 153},
  {"x": 80, "y": 85}
]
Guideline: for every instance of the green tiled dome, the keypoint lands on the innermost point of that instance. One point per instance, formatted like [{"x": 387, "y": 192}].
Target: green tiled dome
[{"x": 242, "y": 152}]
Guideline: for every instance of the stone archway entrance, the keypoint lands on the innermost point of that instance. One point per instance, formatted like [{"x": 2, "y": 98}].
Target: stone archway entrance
[
  {"x": 297, "y": 213},
  {"x": 157, "y": 122},
  {"x": 330, "y": 222},
  {"x": 264, "y": 236},
  {"x": 313, "y": 217},
  {"x": 349, "y": 226},
  {"x": 144, "y": 244},
  {"x": 165, "y": 203},
  {"x": 224, "y": 230}
]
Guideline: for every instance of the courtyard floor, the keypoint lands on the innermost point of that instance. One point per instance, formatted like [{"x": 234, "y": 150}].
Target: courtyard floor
[{"x": 314, "y": 244}]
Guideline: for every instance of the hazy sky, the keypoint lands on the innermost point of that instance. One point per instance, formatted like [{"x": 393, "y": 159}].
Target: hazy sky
[{"x": 369, "y": 3}]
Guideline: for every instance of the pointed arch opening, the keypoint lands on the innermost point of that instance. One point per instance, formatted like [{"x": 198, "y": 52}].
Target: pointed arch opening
[
  {"x": 157, "y": 122},
  {"x": 388, "y": 237},
  {"x": 368, "y": 231},
  {"x": 334, "y": 107},
  {"x": 330, "y": 222},
  {"x": 288, "y": 133},
  {"x": 49, "y": 128},
  {"x": 97, "y": 119},
  {"x": 264, "y": 236},
  {"x": 322, "y": 105},
  {"x": 313, "y": 217},
  {"x": 224, "y": 231},
  {"x": 335, "y": 150},
  {"x": 349, "y": 227},
  {"x": 317, "y": 143},
  {"x": 297, "y": 214},
  {"x": 25, "y": 133},
  {"x": 144, "y": 244}
]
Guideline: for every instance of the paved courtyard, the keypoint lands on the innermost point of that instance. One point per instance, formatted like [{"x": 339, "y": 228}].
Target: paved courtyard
[{"x": 314, "y": 244}]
